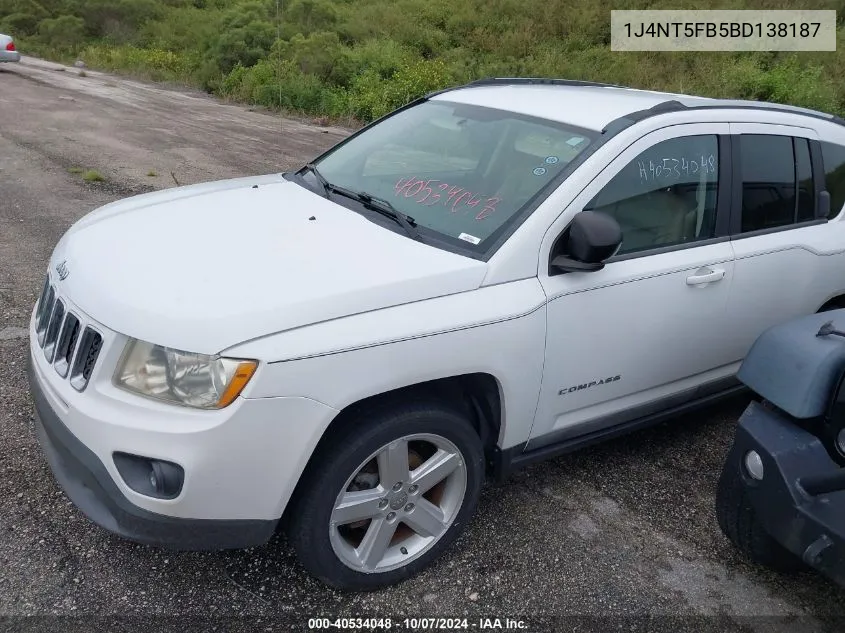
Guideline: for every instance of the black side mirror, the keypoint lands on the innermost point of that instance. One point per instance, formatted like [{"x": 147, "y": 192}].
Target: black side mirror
[{"x": 587, "y": 242}]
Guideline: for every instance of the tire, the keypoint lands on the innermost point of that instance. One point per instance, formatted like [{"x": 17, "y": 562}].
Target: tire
[
  {"x": 738, "y": 521},
  {"x": 365, "y": 458}
]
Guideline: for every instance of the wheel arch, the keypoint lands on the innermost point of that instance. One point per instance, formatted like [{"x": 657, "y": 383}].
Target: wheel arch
[
  {"x": 479, "y": 396},
  {"x": 834, "y": 303}
]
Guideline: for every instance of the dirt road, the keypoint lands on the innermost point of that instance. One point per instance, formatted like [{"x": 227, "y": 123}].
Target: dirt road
[{"x": 624, "y": 530}]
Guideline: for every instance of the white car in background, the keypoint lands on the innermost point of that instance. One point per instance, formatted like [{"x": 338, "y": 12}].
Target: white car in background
[
  {"x": 8, "y": 52},
  {"x": 493, "y": 275}
]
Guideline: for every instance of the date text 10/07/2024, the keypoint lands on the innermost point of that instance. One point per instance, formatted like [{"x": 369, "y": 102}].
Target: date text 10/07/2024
[{"x": 418, "y": 624}]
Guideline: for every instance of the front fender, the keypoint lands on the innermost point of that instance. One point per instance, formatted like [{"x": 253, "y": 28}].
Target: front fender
[{"x": 498, "y": 330}]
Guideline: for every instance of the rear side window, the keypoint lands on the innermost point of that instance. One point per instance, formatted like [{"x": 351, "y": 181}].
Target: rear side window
[
  {"x": 834, "y": 175},
  {"x": 777, "y": 181}
]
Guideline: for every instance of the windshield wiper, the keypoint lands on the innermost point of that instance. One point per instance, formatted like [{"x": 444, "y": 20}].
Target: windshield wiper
[
  {"x": 384, "y": 207},
  {"x": 325, "y": 184},
  {"x": 369, "y": 201}
]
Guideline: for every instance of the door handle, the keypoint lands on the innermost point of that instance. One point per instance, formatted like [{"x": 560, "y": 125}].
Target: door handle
[{"x": 706, "y": 276}]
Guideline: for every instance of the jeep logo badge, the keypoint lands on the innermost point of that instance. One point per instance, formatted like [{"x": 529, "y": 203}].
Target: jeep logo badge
[{"x": 63, "y": 270}]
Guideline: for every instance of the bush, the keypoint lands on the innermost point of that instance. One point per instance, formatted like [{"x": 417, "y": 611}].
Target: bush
[
  {"x": 320, "y": 54},
  {"x": 384, "y": 57},
  {"x": 373, "y": 96},
  {"x": 64, "y": 33},
  {"x": 184, "y": 29},
  {"x": 281, "y": 85},
  {"x": 363, "y": 58},
  {"x": 156, "y": 64},
  {"x": 245, "y": 36},
  {"x": 117, "y": 20},
  {"x": 311, "y": 15},
  {"x": 20, "y": 24}
]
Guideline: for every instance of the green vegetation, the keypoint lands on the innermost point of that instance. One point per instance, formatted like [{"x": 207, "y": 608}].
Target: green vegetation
[
  {"x": 151, "y": 174},
  {"x": 75, "y": 170},
  {"x": 362, "y": 58},
  {"x": 92, "y": 175}
]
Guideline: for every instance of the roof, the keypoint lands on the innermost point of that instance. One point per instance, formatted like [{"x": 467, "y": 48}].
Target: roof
[{"x": 587, "y": 105}]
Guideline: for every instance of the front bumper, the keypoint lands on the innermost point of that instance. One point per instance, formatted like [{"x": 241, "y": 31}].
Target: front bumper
[
  {"x": 810, "y": 526},
  {"x": 89, "y": 486},
  {"x": 241, "y": 464}
]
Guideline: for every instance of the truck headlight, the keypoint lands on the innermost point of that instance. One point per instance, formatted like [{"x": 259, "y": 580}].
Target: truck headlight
[
  {"x": 754, "y": 465},
  {"x": 193, "y": 380}
]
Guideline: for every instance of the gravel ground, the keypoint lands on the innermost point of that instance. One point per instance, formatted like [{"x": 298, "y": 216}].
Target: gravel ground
[{"x": 618, "y": 537}]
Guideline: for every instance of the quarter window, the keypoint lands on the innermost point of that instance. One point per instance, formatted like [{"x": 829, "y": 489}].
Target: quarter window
[
  {"x": 666, "y": 196},
  {"x": 834, "y": 175},
  {"x": 777, "y": 181},
  {"x": 804, "y": 173}
]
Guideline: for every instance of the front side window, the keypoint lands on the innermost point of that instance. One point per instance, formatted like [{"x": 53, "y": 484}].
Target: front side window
[
  {"x": 666, "y": 196},
  {"x": 463, "y": 172},
  {"x": 777, "y": 181}
]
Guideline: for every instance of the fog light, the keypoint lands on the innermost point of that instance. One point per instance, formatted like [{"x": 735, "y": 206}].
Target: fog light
[
  {"x": 754, "y": 465},
  {"x": 150, "y": 477}
]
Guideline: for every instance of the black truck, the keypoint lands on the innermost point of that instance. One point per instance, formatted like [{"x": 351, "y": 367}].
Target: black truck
[{"x": 781, "y": 495}]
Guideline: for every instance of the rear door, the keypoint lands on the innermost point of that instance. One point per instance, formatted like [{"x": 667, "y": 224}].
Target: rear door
[{"x": 785, "y": 254}]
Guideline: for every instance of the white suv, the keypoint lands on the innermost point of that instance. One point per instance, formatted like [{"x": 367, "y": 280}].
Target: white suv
[{"x": 492, "y": 275}]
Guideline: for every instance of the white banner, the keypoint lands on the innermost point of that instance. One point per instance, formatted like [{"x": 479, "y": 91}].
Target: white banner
[{"x": 707, "y": 30}]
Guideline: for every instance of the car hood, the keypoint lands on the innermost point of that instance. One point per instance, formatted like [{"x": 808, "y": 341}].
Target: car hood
[{"x": 205, "y": 267}]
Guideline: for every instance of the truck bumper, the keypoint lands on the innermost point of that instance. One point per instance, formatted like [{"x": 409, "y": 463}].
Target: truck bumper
[{"x": 811, "y": 526}]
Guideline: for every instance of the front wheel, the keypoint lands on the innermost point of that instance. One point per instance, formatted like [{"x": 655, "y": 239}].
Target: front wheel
[{"x": 388, "y": 496}]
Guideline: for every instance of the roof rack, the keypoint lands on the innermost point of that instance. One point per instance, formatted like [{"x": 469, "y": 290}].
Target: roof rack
[
  {"x": 674, "y": 106},
  {"x": 539, "y": 81},
  {"x": 522, "y": 81},
  {"x": 660, "y": 108}
]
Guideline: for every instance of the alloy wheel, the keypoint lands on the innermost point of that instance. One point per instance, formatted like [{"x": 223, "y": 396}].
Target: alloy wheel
[{"x": 398, "y": 503}]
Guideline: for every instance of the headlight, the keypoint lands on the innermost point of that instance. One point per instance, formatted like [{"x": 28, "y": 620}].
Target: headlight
[{"x": 193, "y": 380}]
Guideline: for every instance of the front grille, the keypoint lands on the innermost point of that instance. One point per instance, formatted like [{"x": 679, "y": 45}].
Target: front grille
[
  {"x": 53, "y": 330},
  {"x": 44, "y": 312},
  {"x": 86, "y": 358},
  {"x": 67, "y": 344},
  {"x": 42, "y": 300},
  {"x": 71, "y": 346}
]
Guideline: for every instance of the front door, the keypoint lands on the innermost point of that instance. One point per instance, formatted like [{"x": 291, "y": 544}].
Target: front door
[{"x": 645, "y": 332}]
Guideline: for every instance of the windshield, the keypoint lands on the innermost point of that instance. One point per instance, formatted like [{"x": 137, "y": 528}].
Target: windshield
[{"x": 460, "y": 171}]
